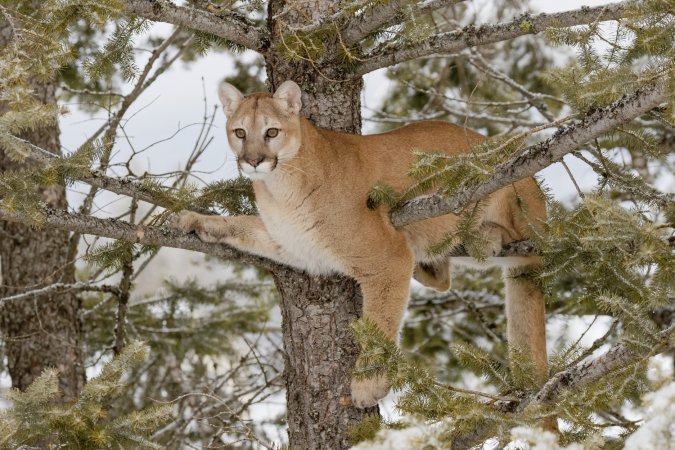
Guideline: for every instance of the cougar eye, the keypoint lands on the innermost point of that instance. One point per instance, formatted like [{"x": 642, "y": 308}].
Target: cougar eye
[
  {"x": 272, "y": 132},
  {"x": 240, "y": 133}
]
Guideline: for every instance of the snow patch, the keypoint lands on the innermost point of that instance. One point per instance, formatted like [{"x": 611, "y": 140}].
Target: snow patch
[
  {"x": 415, "y": 436},
  {"x": 658, "y": 430},
  {"x": 526, "y": 438}
]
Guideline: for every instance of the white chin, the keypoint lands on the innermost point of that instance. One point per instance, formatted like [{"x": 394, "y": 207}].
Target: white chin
[{"x": 256, "y": 173}]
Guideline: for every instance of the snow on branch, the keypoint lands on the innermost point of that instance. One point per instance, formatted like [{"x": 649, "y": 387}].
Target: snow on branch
[
  {"x": 223, "y": 23},
  {"x": 536, "y": 157},
  {"x": 618, "y": 356},
  {"x": 470, "y": 36}
]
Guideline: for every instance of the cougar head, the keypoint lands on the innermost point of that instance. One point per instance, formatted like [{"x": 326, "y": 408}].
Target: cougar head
[{"x": 263, "y": 130}]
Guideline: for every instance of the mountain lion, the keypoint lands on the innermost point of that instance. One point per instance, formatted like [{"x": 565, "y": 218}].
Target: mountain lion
[{"x": 311, "y": 187}]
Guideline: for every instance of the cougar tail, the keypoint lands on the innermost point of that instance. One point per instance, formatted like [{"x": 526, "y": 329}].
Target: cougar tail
[
  {"x": 526, "y": 327},
  {"x": 525, "y": 320}
]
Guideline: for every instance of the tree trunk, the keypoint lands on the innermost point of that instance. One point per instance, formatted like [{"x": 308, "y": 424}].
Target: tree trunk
[
  {"x": 43, "y": 331},
  {"x": 317, "y": 311}
]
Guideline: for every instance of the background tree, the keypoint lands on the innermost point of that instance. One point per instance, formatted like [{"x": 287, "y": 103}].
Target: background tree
[
  {"x": 44, "y": 332},
  {"x": 326, "y": 47}
]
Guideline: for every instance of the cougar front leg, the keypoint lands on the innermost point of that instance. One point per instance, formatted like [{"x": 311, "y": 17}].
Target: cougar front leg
[
  {"x": 385, "y": 296},
  {"x": 245, "y": 233}
]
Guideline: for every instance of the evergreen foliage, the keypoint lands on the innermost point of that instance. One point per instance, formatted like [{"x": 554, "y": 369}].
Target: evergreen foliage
[{"x": 35, "y": 420}]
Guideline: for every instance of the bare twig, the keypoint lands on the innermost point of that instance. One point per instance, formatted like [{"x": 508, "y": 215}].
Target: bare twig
[{"x": 61, "y": 287}]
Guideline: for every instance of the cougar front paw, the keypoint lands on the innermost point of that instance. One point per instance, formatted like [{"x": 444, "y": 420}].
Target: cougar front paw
[
  {"x": 368, "y": 391},
  {"x": 185, "y": 221}
]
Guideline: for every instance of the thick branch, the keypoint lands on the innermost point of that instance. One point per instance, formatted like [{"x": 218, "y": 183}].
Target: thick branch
[
  {"x": 387, "y": 14},
  {"x": 471, "y": 36},
  {"x": 575, "y": 377},
  {"x": 157, "y": 236},
  {"x": 168, "y": 237},
  {"x": 536, "y": 157},
  {"x": 225, "y": 24}
]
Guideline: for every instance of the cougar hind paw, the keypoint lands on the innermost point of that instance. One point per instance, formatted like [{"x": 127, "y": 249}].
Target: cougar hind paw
[{"x": 368, "y": 391}]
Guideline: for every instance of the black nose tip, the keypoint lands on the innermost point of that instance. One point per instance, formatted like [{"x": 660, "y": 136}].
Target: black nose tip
[{"x": 255, "y": 161}]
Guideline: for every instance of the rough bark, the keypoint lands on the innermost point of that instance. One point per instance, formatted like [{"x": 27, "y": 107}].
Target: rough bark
[
  {"x": 386, "y": 14},
  {"x": 320, "y": 351},
  {"x": 319, "y": 356},
  {"x": 43, "y": 331}
]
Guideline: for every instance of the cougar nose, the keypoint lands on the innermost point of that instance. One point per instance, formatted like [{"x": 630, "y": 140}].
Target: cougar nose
[{"x": 255, "y": 161}]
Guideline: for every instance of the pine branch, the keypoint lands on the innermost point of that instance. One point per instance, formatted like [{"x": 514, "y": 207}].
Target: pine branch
[
  {"x": 470, "y": 36},
  {"x": 587, "y": 372},
  {"x": 225, "y": 24},
  {"x": 387, "y": 14},
  {"x": 577, "y": 376},
  {"x": 536, "y": 157},
  {"x": 139, "y": 234}
]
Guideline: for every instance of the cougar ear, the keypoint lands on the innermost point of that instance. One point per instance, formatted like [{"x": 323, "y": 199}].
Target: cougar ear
[
  {"x": 290, "y": 92},
  {"x": 230, "y": 97}
]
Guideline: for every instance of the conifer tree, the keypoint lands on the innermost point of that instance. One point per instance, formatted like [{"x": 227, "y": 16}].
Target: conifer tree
[{"x": 609, "y": 254}]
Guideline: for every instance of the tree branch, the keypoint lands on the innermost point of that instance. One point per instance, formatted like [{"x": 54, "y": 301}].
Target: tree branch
[
  {"x": 167, "y": 237},
  {"x": 536, "y": 157},
  {"x": 576, "y": 376},
  {"x": 130, "y": 188},
  {"x": 139, "y": 234},
  {"x": 587, "y": 372},
  {"x": 226, "y": 24},
  {"x": 470, "y": 36},
  {"x": 387, "y": 14}
]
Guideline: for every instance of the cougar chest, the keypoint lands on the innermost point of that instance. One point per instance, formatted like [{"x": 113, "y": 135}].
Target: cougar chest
[{"x": 295, "y": 223}]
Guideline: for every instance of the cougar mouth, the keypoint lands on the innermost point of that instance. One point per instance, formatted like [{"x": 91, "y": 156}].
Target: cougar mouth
[{"x": 257, "y": 168}]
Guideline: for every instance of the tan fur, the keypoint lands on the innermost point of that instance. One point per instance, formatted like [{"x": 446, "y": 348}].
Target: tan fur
[{"x": 311, "y": 188}]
